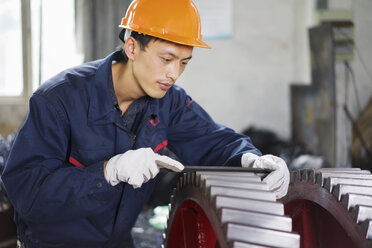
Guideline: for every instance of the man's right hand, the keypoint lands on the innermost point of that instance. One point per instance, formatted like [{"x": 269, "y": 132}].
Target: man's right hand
[{"x": 136, "y": 167}]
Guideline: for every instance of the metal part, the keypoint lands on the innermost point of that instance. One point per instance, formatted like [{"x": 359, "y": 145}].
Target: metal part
[
  {"x": 8, "y": 234},
  {"x": 249, "y": 205},
  {"x": 214, "y": 169},
  {"x": 352, "y": 200},
  {"x": 342, "y": 189},
  {"x": 318, "y": 176},
  {"x": 246, "y": 245},
  {"x": 234, "y": 184},
  {"x": 237, "y": 179},
  {"x": 361, "y": 213},
  {"x": 333, "y": 181},
  {"x": 226, "y": 209},
  {"x": 331, "y": 207},
  {"x": 242, "y": 193},
  {"x": 367, "y": 228},
  {"x": 321, "y": 176},
  {"x": 270, "y": 221},
  {"x": 262, "y": 236}
]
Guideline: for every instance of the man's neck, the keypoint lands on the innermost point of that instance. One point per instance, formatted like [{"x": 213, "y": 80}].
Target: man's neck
[{"x": 125, "y": 87}]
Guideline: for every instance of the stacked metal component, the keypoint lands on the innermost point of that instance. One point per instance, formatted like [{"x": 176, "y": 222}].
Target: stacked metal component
[
  {"x": 239, "y": 206},
  {"x": 8, "y": 238},
  {"x": 351, "y": 187}
]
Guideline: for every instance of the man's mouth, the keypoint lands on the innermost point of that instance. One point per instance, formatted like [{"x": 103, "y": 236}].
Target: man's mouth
[{"x": 164, "y": 86}]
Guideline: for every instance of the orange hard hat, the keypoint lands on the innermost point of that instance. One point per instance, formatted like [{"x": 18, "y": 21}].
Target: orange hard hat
[{"x": 173, "y": 20}]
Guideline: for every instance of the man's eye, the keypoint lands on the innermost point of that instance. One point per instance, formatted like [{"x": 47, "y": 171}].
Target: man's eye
[{"x": 166, "y": 59}]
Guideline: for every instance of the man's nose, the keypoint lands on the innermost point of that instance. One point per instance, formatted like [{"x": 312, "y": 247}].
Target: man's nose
[{"x": 173, "y": 72}]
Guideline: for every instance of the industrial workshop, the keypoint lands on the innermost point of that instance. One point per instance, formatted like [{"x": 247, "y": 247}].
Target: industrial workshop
[{"x": 185, "y": 123}]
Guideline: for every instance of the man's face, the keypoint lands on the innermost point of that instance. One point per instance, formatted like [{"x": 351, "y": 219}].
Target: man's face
[{"x": 158, "y": 66}]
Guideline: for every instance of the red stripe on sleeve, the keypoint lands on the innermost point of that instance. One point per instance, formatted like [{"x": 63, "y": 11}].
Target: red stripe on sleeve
[
  {"x": 75, "y": 162},
  {"x": 161, "y": 145},
  {"x": 189, "y": 103}
]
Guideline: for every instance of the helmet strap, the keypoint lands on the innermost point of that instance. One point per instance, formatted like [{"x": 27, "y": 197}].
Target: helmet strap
[{"x": 127, "y": 34}]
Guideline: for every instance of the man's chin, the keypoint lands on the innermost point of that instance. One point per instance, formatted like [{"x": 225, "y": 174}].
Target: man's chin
[{"x": 157, "y": 95}]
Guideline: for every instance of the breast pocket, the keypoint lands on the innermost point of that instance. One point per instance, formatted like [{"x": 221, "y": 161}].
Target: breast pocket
[
  {"x": 153, "y": 135},
  {"x": 86, "y": 156}
]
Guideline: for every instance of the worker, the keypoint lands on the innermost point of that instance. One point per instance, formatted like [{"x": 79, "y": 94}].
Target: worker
[{"x": 84, "y": 163}]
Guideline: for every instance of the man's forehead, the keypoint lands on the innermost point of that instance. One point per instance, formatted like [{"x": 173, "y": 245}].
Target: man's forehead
[{"x": 170, "y": 47}]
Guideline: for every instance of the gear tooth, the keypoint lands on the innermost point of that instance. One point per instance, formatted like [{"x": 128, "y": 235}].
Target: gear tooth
[
  {"x": 307, "y": 174},
  {"x": 311, "y": 176},
  {"x": 205, "y": 188},
  {"x": 303, "y": 175},
  {"x": 298, "y": 175},
  {"x": 181, "y": 181},
  {"x": 291, "y": 177},
  {"x": 174, "y": 191},
  {"x": 319, "y": 179},
  {"x": 197, "y": 180},
  {"x": 169, "y": 207},
  {"x": 208, "y": 192},
  {"x": 203, "y": 183}
]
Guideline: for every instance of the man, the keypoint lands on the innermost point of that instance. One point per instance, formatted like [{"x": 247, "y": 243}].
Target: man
[{"x": 85, "y": 161}]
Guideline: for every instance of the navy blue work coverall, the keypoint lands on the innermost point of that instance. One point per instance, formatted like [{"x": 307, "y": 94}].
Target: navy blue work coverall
[{"x": 54, "y": 175}]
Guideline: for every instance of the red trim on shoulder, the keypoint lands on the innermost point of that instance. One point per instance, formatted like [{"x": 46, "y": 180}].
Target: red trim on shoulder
[
  {"x": 189, "y": 102},
  {"x": 75, "y": 162},
  {"x": 161, "y": 145},
  {"x": 155, "y": 123}
]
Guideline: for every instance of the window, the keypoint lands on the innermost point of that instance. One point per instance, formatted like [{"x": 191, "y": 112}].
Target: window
[
  {"x": 11, "y": 71},
  {"x": 57, "y": 50},
  {"x": 52, "y": 49}
]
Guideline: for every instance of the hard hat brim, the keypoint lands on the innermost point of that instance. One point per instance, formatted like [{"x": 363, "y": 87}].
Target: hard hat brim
[{"x": 167, "y": 37}]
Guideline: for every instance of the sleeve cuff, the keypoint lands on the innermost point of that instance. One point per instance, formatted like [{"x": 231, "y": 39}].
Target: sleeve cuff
[{"x": 97, "y": 180}]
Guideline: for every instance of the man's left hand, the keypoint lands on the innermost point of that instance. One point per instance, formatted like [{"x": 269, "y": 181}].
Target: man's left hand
[{"x": 278, "y": 179}]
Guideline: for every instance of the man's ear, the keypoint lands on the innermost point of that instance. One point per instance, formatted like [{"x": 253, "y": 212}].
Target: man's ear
[{"x": 129, "y": 47}]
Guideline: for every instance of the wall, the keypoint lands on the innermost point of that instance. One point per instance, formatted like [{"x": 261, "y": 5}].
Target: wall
[{"x": 245, "y": 80}]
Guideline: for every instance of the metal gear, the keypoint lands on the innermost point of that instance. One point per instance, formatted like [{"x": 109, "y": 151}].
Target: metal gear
[
  {"x": 227, "y": 209},
  {"x": 331, "y": 207},
  {"x": 328, "y": 207}
]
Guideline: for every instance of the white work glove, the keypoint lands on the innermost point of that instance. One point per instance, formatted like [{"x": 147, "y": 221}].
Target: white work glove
[
  {"x": 278, "y": 179},
  {"x": 136, "y": 167}
]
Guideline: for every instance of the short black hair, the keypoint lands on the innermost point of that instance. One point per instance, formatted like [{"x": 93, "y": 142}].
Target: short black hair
[{"x": 143, "y": 40}]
